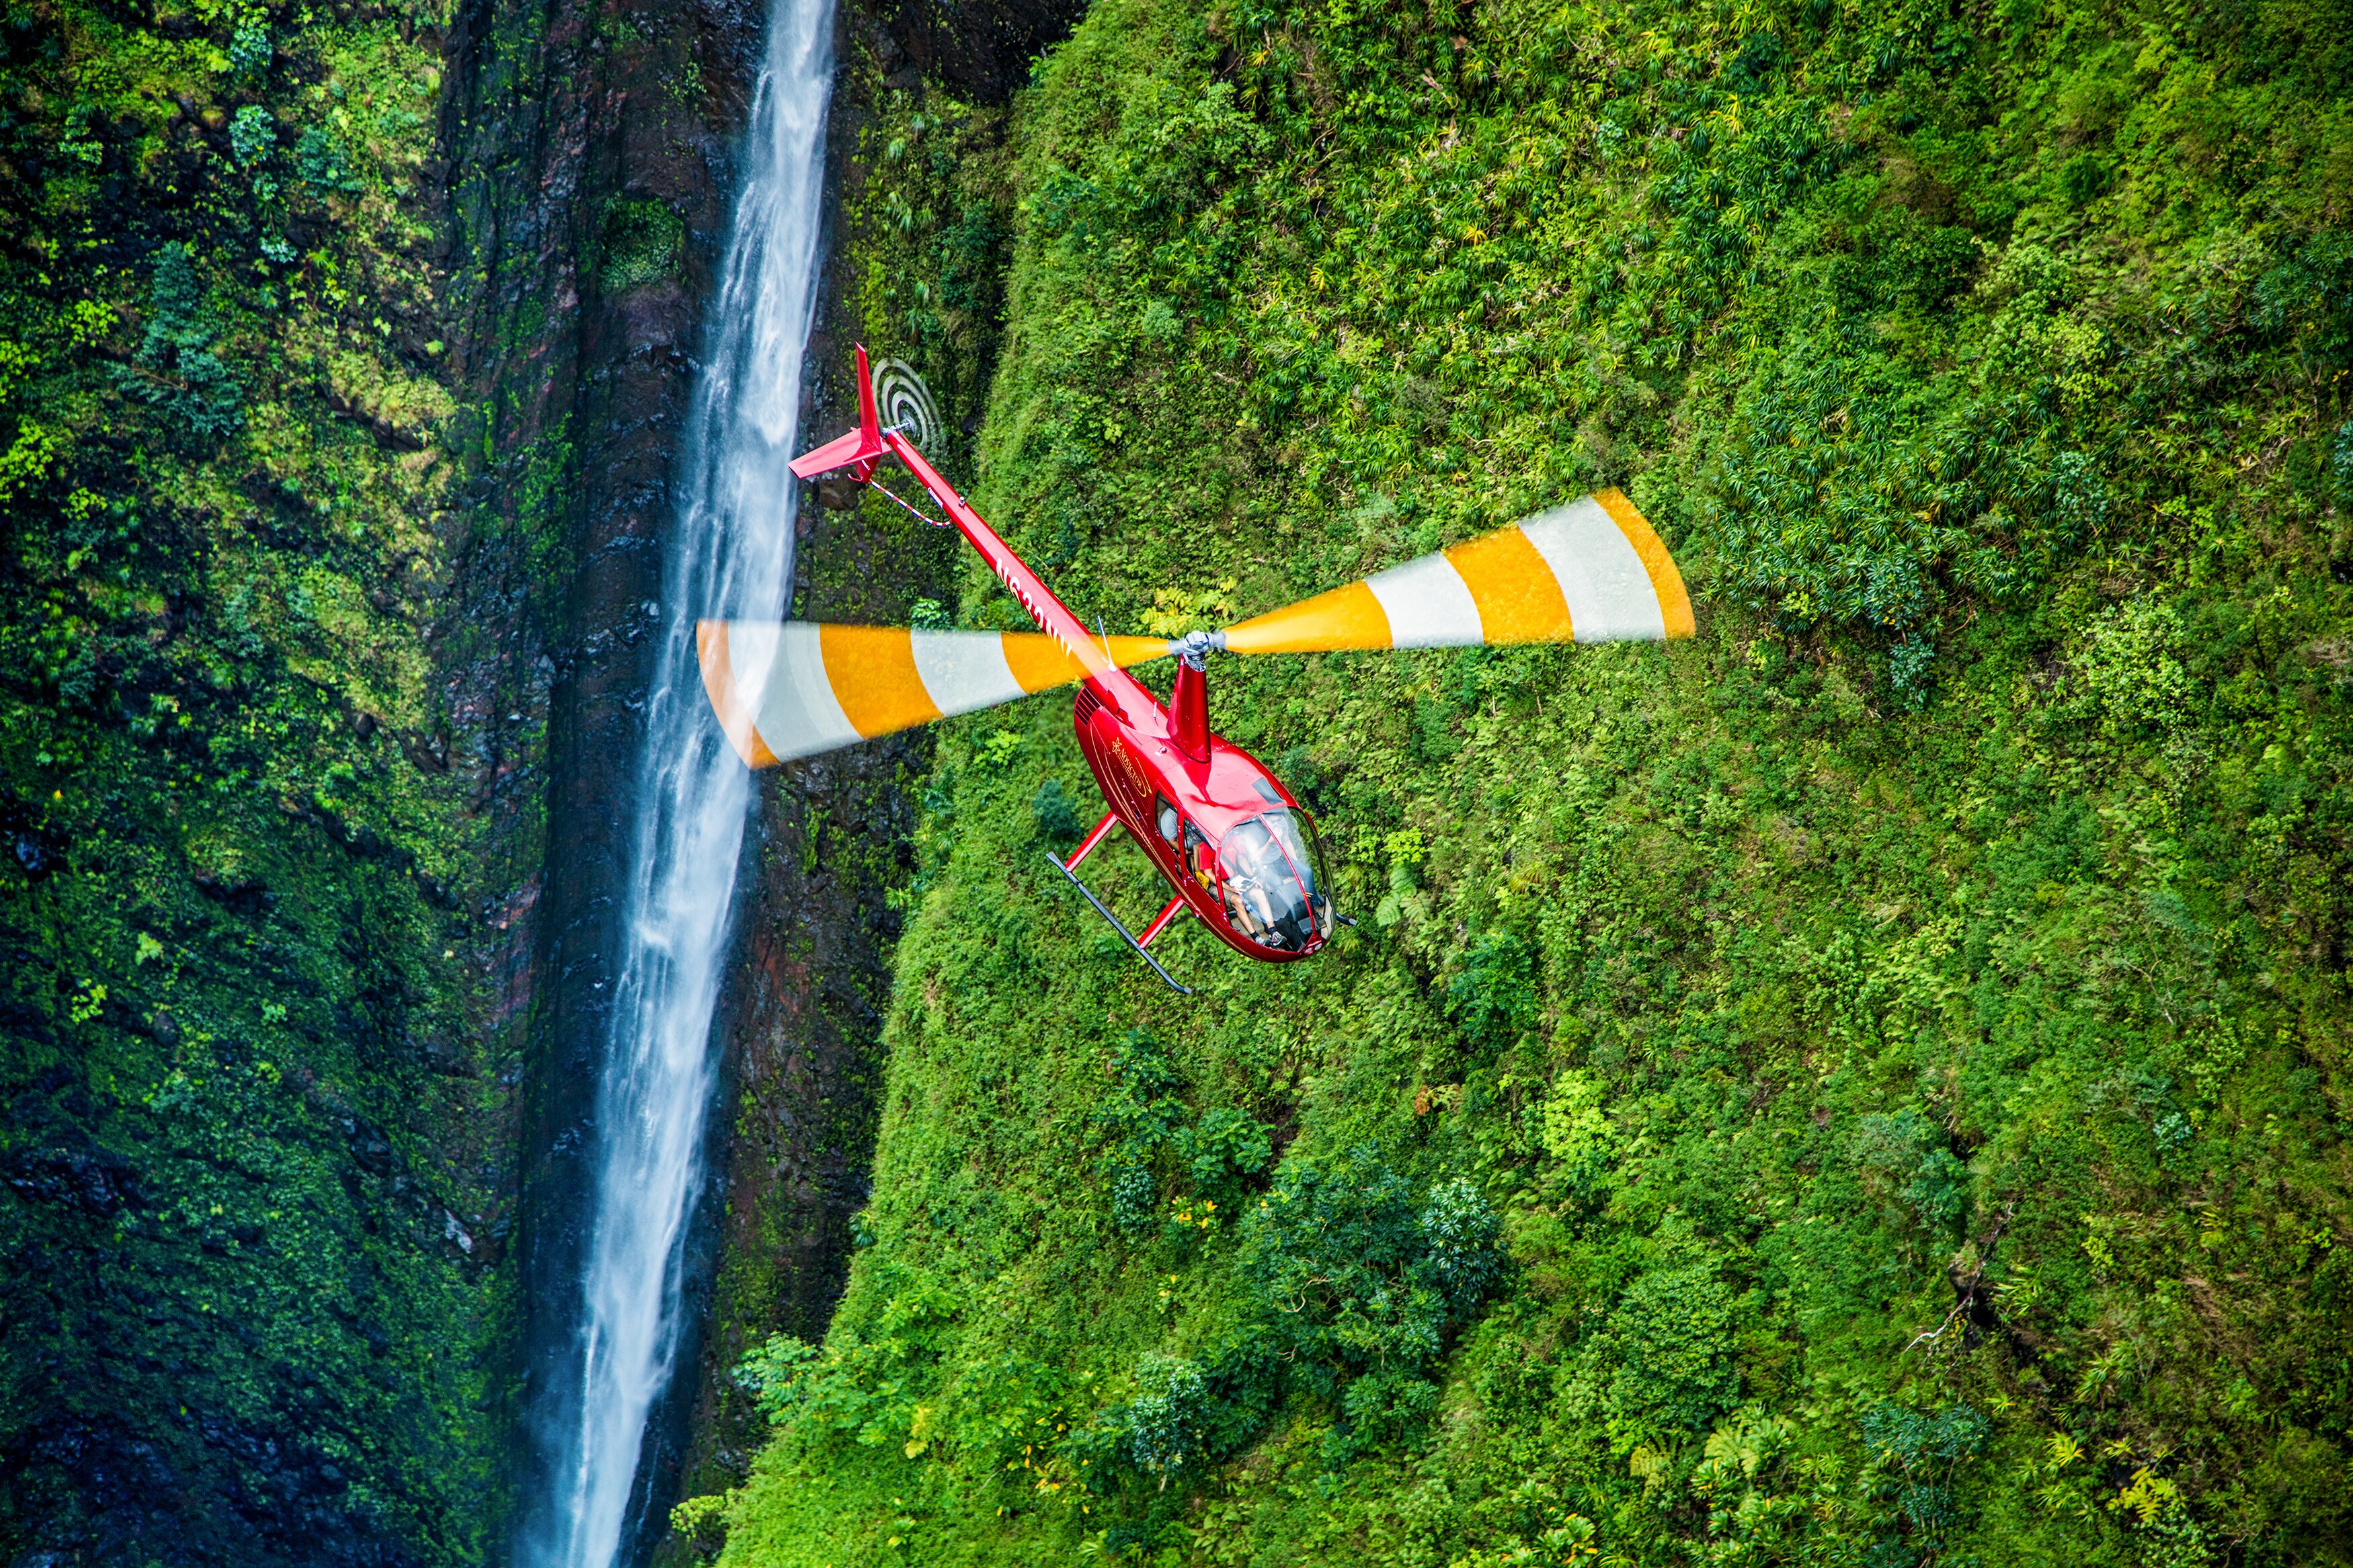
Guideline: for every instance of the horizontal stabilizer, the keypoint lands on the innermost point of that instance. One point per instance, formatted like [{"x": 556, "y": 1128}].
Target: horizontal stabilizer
[
  {"x": 793, "y": 688},
  {"x": 840, "y": 452},
  {"x": 1592, "y": 571}
]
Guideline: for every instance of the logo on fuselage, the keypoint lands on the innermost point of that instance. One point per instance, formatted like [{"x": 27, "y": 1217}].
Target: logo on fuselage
[{"x": 1136, "y": 779}]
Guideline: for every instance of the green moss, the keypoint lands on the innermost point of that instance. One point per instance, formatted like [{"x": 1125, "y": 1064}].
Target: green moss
[
  {"x": 252, "y": 1058},
  {"x": 639, "y": 244}
]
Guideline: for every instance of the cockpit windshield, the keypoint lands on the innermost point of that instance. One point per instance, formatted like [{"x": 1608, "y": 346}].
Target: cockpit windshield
[{"x": 1271, "y": 887}]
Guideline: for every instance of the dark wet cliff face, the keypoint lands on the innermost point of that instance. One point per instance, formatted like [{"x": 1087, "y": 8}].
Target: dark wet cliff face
[
  {"x": 981, "y": 52},
  {"x": 594, "y": 205}
]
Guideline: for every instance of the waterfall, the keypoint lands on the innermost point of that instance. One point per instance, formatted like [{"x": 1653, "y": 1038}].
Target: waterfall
[{"x": 730, "y": 554}]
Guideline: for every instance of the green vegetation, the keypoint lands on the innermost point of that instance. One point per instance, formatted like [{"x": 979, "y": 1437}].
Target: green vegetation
[
  {"x": 640, "y": 245},
  {"x": 1864, "y": 1087},
  {"x": 248, "y": 1244}
]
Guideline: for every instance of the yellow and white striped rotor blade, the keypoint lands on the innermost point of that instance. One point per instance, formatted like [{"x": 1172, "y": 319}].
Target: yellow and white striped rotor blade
[
  {"x": 1592, "y": 571},
  {"x": 784, "y": 689}
]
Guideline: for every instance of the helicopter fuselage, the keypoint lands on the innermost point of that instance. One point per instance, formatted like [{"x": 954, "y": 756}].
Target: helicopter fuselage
[{"x": 1185, "y": 807}]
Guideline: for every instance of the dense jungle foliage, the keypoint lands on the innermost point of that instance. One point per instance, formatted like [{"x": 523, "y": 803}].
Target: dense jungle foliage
[
  {"x": 1866, "y": 1086},
  {"x": 250, "y": 1139}
]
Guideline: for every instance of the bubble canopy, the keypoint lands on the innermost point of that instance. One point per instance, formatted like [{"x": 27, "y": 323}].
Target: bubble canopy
[{"x": 1269, "y": 881}]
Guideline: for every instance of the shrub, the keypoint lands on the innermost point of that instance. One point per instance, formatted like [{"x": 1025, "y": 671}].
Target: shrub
[
  {"x": 640, "y": 245},
  {"x": 1925, "y": 1451},
  {"x": 1056, "y": 818},
  {"x": 1356, "y": 1270},
  {"x": 176, "y": 368},
  {"x": 769, "y": 1374},
  {"x": 1357, "y": 1279},
  {"x": 2307, "y": 300},
  {"x": 1577, "y": 1130},
  {"x": 703, "y": 1521},
  {"x": 2131, "y": 668},
  {"x": 252, "y": 136},
  {"x": 1921, "y": 1445},
  {"x": 323, "y": 164},
  {"x": 249, "y": 48},
  {"x": 1224, "y": 1145},
  {"x": 1379, "y": 1407},
  {"x": 1458, "y": 1234},
  {"x": 1670, "y": 1339},
  {"x": 1906, "y": 1145},
  {"x": 1142, "y": 1108},
  {"x": 1134, "y": 1199},
  {"x": 1164, "y": 1423},
  {"x": 1494, "y": 997},
  {"x": 1146, "y": 1120},
  {"x": 1186, "y": 1412}
]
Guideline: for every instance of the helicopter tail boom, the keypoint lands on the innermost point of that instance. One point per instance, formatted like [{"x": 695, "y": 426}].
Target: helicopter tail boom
[
  {"x": 1054, "y": 618},
  {"x": 862, "y": 448}
]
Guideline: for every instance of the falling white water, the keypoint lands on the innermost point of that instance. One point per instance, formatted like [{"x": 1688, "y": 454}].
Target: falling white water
[{"x": 731, "y": 555}]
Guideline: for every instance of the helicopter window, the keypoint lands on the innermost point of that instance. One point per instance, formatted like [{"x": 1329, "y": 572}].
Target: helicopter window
[
  {"x": 1270, "y": 882},
  {"x": 1319, "y": 885},
  {"x": 1286, "y": 833},
  {"x": 1306, "y": 852},
  {"x": 1168, "y": 816}
]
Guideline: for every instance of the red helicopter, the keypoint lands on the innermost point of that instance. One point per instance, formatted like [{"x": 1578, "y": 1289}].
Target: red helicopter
[{"x": 1236, "y": 847}]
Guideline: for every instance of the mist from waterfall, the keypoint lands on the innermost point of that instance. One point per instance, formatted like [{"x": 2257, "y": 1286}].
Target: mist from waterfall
[{"x": 731, "y": 553}]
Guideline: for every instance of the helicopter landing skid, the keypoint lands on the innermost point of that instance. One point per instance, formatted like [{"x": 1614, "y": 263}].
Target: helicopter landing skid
[{"x": 1125, "y": 936}]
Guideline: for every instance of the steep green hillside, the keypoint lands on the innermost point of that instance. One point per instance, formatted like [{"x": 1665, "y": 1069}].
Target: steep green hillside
[
  {"x": 248, "y": 1237},
  {"x": 1864, "y": 1087}
]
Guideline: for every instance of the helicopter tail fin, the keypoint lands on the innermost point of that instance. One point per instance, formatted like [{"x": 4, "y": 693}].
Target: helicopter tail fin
[
  {"x": 869, "y": 422},
  {"x": 858, "y": 450}
]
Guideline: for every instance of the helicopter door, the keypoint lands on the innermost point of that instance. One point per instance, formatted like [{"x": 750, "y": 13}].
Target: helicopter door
[
  {"x": 1187, "y": 845},
  {"x": 1200, "y": 859}
]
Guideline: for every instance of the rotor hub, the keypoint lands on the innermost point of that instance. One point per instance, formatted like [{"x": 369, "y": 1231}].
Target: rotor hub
[{"x": 1194, "y": 648}]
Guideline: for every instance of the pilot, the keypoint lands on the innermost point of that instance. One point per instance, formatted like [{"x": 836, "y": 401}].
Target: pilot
[{"x": 1197, "y": 854}]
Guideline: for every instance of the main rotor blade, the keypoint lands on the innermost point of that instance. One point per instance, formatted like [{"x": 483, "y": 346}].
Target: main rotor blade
[
  {"x": 1592, "y": 571},
  {"x": 784, "y": 689}
]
